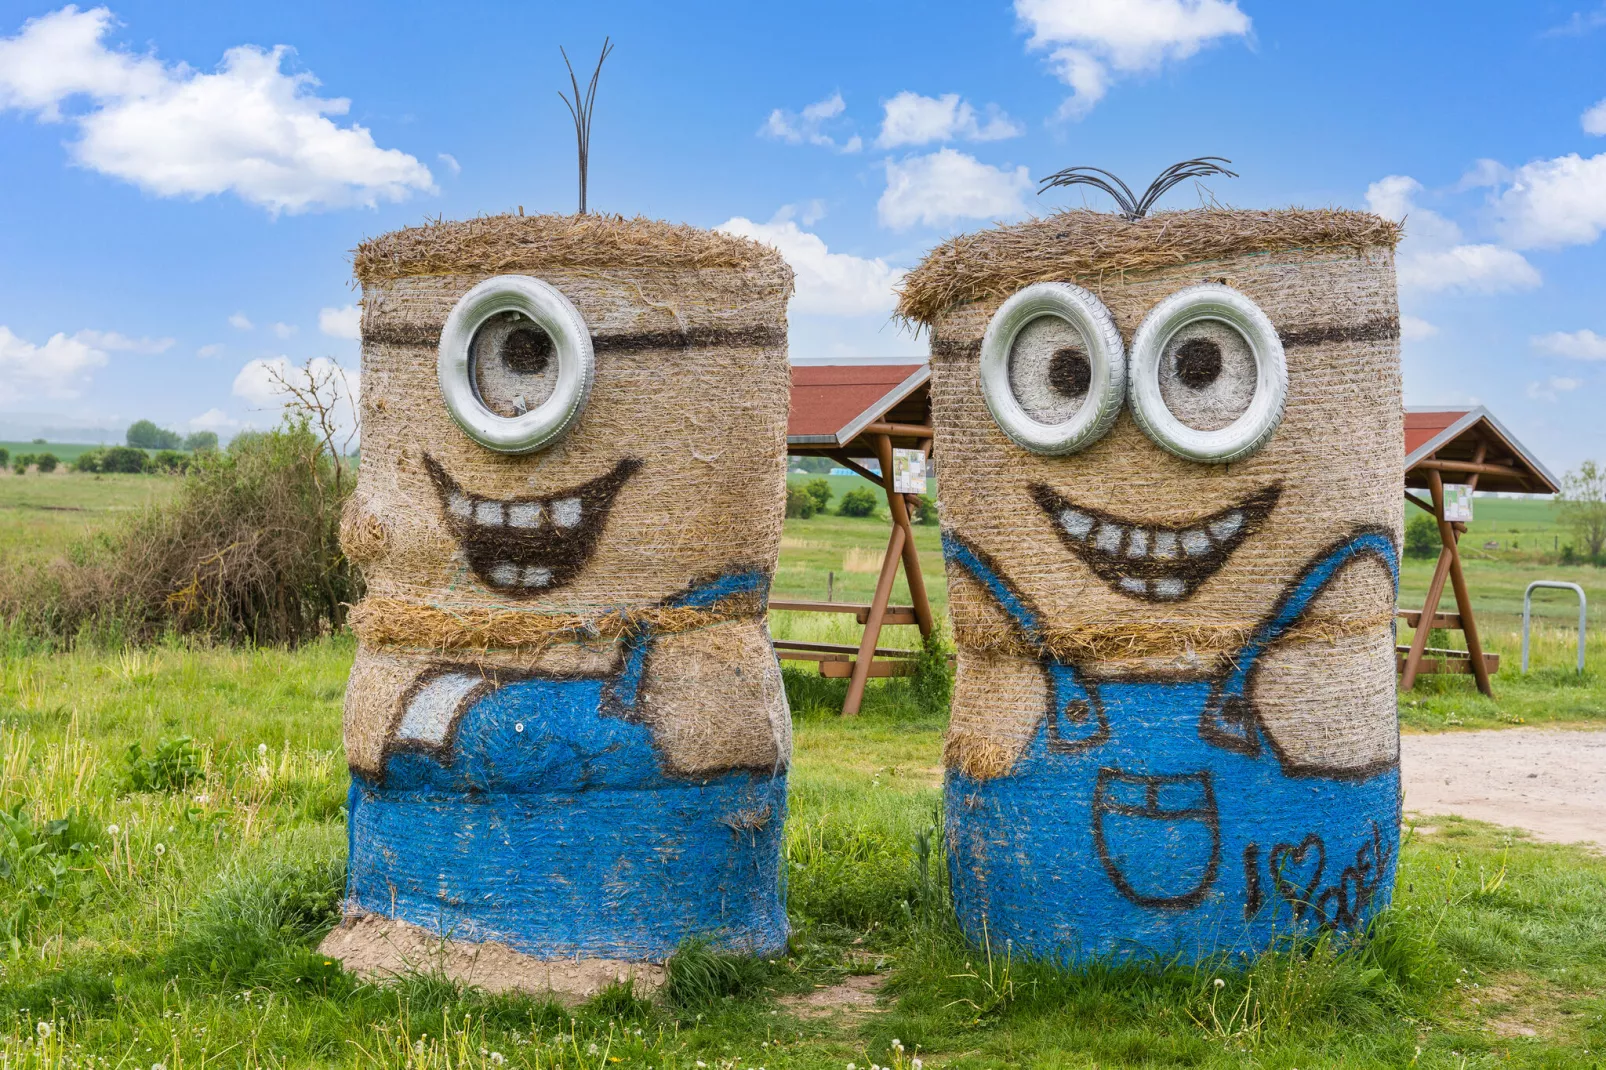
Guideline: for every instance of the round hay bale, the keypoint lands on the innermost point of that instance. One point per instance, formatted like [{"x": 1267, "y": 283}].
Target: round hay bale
[
  {"x": 1174, "y": 729},
  {"x": 565, "y": 723}
]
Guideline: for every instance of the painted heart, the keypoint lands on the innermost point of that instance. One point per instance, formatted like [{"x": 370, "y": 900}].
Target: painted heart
[{"x": 1297, "y": 871}]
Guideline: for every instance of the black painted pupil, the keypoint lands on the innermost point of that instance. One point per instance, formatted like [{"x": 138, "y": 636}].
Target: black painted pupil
[
  {"x": 527, "y": 351},
  {"x": 1198, "y": 362},
  {"x": 1069, "y": 373}
]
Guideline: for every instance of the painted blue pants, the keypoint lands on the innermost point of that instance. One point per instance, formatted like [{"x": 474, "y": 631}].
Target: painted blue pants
[
  {"x": 549, "y": 825},
  {"x": 1155, "y": 818}
]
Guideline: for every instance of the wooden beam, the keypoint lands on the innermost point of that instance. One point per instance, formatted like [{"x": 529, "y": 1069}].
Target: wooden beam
[
  {"x": 872, "y": 627},
  {"x": 802, "y": 646},
  {"x": 1440, "y": 620},
  {"x": 1451, "y": 662},
  {"x": 1471, "y": 468},
  {"x": 899, "y": 430},
  {"x": 1426, "y": 507},
  {"x": 911, "y": 553},
  {"x": 838, "y": 669},
  {"x": 1458, "y": 581},
  {"x": 854, "y": 466},
  {"x": 1430, "y": 607}
]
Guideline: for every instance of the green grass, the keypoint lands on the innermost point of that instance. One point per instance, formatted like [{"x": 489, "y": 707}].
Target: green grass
[
  {"x": 41, "y": 514},
  {"x": 179, "y": 926},
  {"x": 65, "y": 452}
]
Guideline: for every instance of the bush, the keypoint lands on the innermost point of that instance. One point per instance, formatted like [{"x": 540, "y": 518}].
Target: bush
[
  {"x": 89, "y": 461},
  {"x": 5, "y": 456},
  {"x": 799, "y": 503},
  {"x": 925, "y": 510},
  {"x": 820, "y": 491},
  {"x": 200, "y": 440},
  {"x": 46, "y": 462},
  {"x": 170, "y": 461},
  {"x": 861, "y": 501},
  {"x": 143, "y": 434},
  {"x": 1421, "y": 536},
  {"x": 248, "y": 550},
  {"x": 23, "y": 460},
  {"x": 124, "y": 459}
]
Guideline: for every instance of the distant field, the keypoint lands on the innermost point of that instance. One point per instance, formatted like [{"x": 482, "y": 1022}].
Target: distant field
[
  {"x": 41, "y": 514},
  {"x": 64, "y": 451}
]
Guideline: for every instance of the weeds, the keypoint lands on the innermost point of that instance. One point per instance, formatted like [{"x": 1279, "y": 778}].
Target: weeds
[{"x": 176, "y": 765}]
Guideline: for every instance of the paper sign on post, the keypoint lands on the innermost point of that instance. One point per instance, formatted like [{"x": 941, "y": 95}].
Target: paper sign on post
[
  {"x": 909, "y": 471},
  {"x": 1458, "y": 503}
]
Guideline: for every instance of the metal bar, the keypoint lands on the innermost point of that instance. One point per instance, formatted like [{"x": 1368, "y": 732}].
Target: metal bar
[
  {"x": 1527, "y": 608},
  {"x": 872, "y": 627}
]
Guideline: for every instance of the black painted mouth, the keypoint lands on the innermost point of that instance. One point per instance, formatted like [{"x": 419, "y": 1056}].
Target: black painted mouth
[
  {"x": 527, "y": 546},
  {"x": 1155, "y": 562}
]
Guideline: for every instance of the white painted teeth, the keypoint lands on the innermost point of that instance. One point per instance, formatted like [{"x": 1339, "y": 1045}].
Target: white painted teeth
[
  {"x": 1169, "y": 589},
  {"x": 1195, "y": 542},
  {"x": 461, "y": 506},
  {"x": 508, "y": 574},
  {"x": 1165, "y": 545},
  {"x": 566, "y": 513},
  {"x": 1133, "y": 585},
  {"x": 524, "y": 514},
  {"x": 1076, "y": 524},
  {"x": 1137, "y": 543},
  {"x": 1227, "y": 526},
  {"x": 488, "y": 514},
  {"x": 1109, "y": 537}
]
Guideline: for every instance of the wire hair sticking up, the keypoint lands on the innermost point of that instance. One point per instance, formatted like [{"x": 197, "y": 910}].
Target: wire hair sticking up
[
  {"x": 581, "y": 109},
  {"x": 1133, "y": 206}
]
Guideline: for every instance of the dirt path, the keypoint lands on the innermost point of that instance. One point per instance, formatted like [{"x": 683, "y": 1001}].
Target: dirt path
[{"x": 1551, "y": 782}]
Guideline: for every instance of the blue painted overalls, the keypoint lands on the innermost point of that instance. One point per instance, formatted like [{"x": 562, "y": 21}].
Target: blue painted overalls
[
  {"x": 547, "y": 822},
  {"x": 1155, "y": 817}
]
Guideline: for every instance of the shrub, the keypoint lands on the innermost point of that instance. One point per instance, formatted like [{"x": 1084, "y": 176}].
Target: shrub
[
  {"x": 89, "y": 461},
  {"x": 5, "y": 456},
  {"x": 200, "y": 440},
  {"x": 799, "y": 503},
  {"x": 925, "y": 510},
  {"x": 248, "y": 550},
  {"x": 170, "y": 461},
  {"x": 123, "y": 459},
  {"x": 860, "y": 501},
  {"x": 46, "y": 462},
  {"x": 21, "y": 463},
  {"x": 1421, "y": 536},
  {"x": 820, "y": 491}
]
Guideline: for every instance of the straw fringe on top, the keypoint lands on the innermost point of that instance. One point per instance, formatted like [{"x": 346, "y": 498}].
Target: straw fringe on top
[
  {"x": 1082, "y": 244},
  {"x": 493, "y": 245}
]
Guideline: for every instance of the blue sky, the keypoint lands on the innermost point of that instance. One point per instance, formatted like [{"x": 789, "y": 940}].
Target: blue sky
[{"x": 182, "y": 183}]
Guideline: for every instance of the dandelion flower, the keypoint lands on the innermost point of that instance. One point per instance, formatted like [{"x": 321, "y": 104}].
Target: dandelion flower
[
  {"x": 897, "y": 1045},
  {"x": 112, "y": 830},
  {"x": 262, "y": 750},
  {"x": 44, "y": 1028},
  {"x": 592, "y": 1049},
  {"x": 496, "y": 1058},
  {"x": 1220, "y": 983},
  {"x": 161, "y": 849},
  {"x": 916, "y": 1064}
]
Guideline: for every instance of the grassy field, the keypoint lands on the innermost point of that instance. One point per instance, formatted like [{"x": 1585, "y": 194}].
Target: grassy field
[
  {"x": 66, "y": 452},
  {"x": 41, "y": 514},
  {"x": 160, "y": 906},
  {"x": 174, "y": 923}
]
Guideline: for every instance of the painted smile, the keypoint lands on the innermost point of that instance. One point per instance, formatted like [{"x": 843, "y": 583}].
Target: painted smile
[
  {"x": 1155, "y": 562},
  {"x": 529, "y": 545}
]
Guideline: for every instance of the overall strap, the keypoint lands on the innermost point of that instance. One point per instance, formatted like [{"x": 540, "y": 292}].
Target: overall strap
[
  {"x": 705, "y": 595},
  {"x": 1297, "y": 598},
  {"x": 960, "y": 554}
]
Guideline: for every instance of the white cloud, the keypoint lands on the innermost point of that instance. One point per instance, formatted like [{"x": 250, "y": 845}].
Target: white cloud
[
  {"x": 808, "y": 126},
  {"x": 214, "y": 420},
  {"x": 1413, "y": 328},
  {"x": 1433, "y": 255},
  {"x": 240, "y": 323},
  {"x": 1091, "y": 40},
  {"x": 1552, "y": 388},
  {"x": 948, "y": 185},
  {"x": 1577, "y": 345},
  {"x": 58, "y": 369},
  {"x": 450, "y": 161},
  {"x": 1594, "y": 120},
  {"x": 911, "y": 119},
  {"x": 112, "y": 341},
  {"x": 260, "y": 384},
  {"x": 283, "y": 330},
  {"x": 1554, "y": 202},
  {"x": 341, "y": 322},
  {"x": 831, "y": 284},
  {"x": 210, "y": 350},
  {"x": 247, "y": 127}
]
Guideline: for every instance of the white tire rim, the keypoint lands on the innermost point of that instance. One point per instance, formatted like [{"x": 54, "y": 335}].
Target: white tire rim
[
  {"x": 571, "y": 342},
  {"x": 1107, "y": 363},
  {"x": 1256, "y": 424}
]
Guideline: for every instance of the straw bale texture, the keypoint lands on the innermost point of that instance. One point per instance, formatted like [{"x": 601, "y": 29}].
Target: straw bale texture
[
  {"x": 1337, "y": 457},
  {"x": 1084, "y": 246}
]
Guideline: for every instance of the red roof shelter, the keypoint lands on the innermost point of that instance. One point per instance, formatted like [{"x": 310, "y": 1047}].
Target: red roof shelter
[
  {"x": 846, "y": 412},
  {"x": 1461, "y": 445}
]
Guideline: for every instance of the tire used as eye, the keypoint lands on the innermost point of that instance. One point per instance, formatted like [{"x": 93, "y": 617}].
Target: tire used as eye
[
  {"x": 1251, "y": 430},
  {"x": 553, "y": 313},
  {"x": 1106, "y": 361}
]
